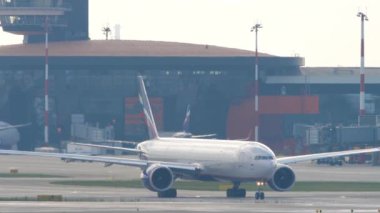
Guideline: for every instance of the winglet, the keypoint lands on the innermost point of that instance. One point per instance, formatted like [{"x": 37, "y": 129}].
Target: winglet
[{"x": 143, "y": 97}]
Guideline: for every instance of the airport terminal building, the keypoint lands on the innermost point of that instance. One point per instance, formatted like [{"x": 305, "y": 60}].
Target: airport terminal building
[
  {"x": 94, "y": 82},
  {"x": 98, "y": 79}
]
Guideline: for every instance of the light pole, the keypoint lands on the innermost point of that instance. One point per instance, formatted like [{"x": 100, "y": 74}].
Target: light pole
[
  {"x": 255, "y": 29},
  {"x": 46, "y": 129},
  {"x": 363, "y": 17}
]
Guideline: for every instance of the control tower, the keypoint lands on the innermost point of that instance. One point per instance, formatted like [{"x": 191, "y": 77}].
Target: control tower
[{"x": 67, "y": 20}]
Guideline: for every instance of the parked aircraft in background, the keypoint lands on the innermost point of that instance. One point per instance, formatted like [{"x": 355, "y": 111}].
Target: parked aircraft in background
[
  {"x": 184, "y": 134},
  {"x": 164, "y": 160},
  {"x": 186, "y": 128},
  {"x": 9, "y": 135}
]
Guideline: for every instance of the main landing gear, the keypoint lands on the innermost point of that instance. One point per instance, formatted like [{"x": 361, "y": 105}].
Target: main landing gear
[
  {"x": 235, "y": 192},
  {"x": 170, "y": 193}
]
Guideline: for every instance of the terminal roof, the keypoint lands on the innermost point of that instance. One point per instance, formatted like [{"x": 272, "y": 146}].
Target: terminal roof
[{"x": 124, "y": 48}]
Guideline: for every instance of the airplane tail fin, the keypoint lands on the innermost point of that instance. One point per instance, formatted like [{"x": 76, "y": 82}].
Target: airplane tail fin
[
  {"x": 186, "y": 122},
  {"x": 143, "y": 97}
]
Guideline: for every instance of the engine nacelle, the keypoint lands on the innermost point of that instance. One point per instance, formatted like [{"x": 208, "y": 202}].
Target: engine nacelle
[
  {"x": 157, "y": 178},
  {"x": 283, "y": 179}
]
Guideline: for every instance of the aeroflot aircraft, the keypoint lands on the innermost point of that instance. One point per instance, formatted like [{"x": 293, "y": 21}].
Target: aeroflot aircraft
[
  {"x": 163, "y": 160},
  {"x": 186, "y": 133}
]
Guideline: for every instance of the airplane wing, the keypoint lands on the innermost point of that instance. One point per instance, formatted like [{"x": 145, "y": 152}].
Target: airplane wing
[
  {"x": 13, "y": 126},
  {"x": 299, "y": 158},
  {"x": 177, "y": 168},
  {"x": 122, "y": 142},
  {"x": 110, "y": 147},
  {"x": 203, "y": 136}
]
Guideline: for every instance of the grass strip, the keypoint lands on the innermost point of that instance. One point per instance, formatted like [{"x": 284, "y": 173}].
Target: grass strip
[
  {"x": 18, "y": 199},
  {"x": 28, "y": 175},
  {"x": 312, "y": 186}
]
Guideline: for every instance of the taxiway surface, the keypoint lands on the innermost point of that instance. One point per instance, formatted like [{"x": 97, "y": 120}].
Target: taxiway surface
[{"x": 104, "y": 199}]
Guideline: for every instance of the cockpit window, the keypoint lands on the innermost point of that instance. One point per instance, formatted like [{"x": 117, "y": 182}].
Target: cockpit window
[{"x": 263, "y": 157}]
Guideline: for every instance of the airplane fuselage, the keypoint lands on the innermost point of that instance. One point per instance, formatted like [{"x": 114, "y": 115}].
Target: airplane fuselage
[
  {"x": 9, "y": 135},
  {"x": 219, "y": 159}
]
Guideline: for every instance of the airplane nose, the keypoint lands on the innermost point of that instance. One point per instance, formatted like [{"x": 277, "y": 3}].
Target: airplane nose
[
  {"x": 267, "y": 168},
  {"x": 272, "y": 164}
]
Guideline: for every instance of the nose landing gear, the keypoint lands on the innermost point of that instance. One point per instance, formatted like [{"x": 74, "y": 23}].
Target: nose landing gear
[{"x": 259, "y": 195}]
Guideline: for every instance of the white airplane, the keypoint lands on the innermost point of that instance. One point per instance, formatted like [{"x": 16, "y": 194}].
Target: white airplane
[
  {"x": 185, "y": 133},
  {"x": 163, "y": 160},
  {"x": 9, "y": 134},
  {"x": 186, "y": 126}
]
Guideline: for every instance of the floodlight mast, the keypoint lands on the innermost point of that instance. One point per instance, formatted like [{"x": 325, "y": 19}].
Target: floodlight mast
[
  {"x": 46, "y": 115},
  {"x": 363, "y": 17},
  {"x": 255, "y": 29}
]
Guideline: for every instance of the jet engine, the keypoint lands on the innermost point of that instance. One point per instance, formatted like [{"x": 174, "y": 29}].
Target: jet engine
[
  {"x": 157, "y": 178},
  {"x": 283, "y": 179}
]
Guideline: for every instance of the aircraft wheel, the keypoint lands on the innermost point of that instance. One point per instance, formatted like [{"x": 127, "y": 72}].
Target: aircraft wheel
[
  {"x": 241, "y": 193},
  {"x": 259, "y": 196},
  {"x": 262, "y": 196},
  {"x": 170, "y": 193},
  {"x": 236, "y": 193}
]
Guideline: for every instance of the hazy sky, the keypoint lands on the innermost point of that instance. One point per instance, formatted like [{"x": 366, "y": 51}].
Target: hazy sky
[{"x": 325, "y": 32}]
